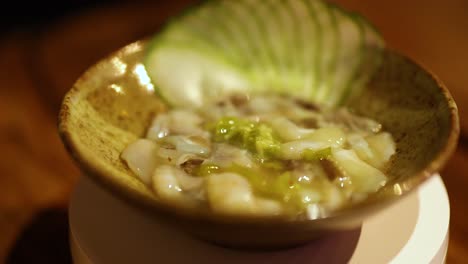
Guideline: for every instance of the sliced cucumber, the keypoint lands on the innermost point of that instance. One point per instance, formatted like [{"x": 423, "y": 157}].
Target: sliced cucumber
[
  {"x": 371, "y": 57},
  {"x": 224, "y": 33},
  {"x": 307, "y": 48},
  {"x": 218, "y": 36},
  {"x": 360, "y": 55},
  {"x": 258, "y": 29},
  {"x": 348, "y": 56},
  {"x": 191, "y": 31},
  {"x": 291, "y": 37},
  {"x": 242, "y": 22},
  {"x": 187, "y": 78},
  {"x": 310, "y": 44},
  {"x": 276, "y": 46},
  {"x": 327, "y": 39}
]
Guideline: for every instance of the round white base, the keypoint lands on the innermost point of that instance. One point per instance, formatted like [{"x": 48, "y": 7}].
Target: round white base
[{"x": 104, "y": 229}]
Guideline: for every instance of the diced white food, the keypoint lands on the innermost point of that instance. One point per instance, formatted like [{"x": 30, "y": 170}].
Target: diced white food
[
  {"x": 177, "y": 121},
  {"x": 170, "y": 182},
  {"x": 186, "y": 157},
  {"x": 375, "y": 149},
  {"x": 266, "y": 207},
  {"x": 317, "y": 140},
  {"x": 383, "y": 147},
  {"x": 314, "y": 211},
  {"x": 170, "y": 156},
  {"x": 332, "y": 136},
  {"x": 166, "y": 185},
  {"x": 186, "y": 144},
  {"x": 334, "y": 198},
  {"x": 225, "y": 155},
  {"x": 294, "y": 149},
  {"x": 287, "y": 130},
  {"x": 187, "y": 182},
  {"x": 186, "y": 122},
  {"x": 364, "y": 177},
  {"x": 141, "y": 158},
  {"x": 360, "y": 146},
  {"x": 310, "y": 196},
  {"x": 159, "y": 127},
  {"x": 229, "y": 193},
  {"x": 175, "y": 157}
]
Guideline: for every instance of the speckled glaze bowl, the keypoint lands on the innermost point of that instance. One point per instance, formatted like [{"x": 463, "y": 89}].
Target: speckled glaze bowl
[{"x": 112, "y": 103}]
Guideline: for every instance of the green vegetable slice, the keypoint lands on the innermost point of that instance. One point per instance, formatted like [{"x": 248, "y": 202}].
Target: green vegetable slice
[
  {"x": 309, "y": 44},
  {"x": 228, "y": 34},
  {"x": 247, "y": 22},
  {"x": 348, "y": 56},
  {"x": 323, "y": 61},
  {"x": 259, "y": 29},
  {"x": 186, "y": 78},
  {"x": 294, "y": 49},
  {"x": 371, "y": 56},
  {"x": 220, "y": 36},
  {"x": 272, "y": 45},
  {"x": 307, "y": 48}
]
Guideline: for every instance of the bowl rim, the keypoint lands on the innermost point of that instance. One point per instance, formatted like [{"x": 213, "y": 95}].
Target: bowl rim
[{"x": 100, "y": 174}]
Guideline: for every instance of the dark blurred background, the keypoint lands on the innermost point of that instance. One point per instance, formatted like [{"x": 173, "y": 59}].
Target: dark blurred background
[
  {"x": 46, "y": 45},
  {"x": 32, "y": 14}
]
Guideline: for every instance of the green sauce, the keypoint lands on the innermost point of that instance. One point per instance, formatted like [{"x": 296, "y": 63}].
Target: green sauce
[{"x": 258, "y": 138}]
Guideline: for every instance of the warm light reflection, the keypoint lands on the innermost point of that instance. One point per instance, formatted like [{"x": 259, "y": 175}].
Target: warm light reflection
[
  {"x": 120, "y": 66},
  {"x": 132, "y": 48},
  {"x": 313, "y": 211},
  {"x": 143, "y": 77},
  {"x": 304, "y": 178},
  {"x": 116, "y": 88},
  {"x": 397, "y": 189}
]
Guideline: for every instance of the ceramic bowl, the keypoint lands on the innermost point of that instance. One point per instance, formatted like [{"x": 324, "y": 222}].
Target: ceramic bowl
[{"x": 113, "y": 102}]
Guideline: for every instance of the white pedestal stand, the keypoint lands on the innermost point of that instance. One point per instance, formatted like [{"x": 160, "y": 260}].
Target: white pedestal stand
[{"x": 105, "y": 230}]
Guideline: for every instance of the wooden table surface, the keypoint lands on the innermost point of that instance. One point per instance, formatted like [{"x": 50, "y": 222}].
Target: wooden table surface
[{"x": 39, "y": 65}]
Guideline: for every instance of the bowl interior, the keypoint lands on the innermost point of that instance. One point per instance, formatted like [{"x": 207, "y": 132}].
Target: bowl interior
[{"x": 113, "y": 102}]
